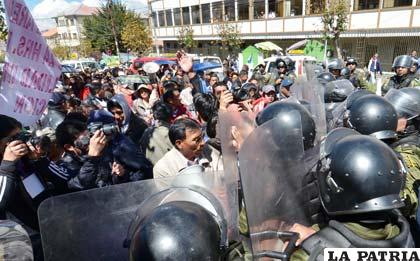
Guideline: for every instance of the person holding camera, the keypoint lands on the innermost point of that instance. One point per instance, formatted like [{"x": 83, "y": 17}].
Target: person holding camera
[{"x": 81, "y": 153}]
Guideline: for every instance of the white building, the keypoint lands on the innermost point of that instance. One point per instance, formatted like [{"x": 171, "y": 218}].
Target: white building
[
  {"x": 389, "y": 27},
  {"x": 70, "y": 24}
]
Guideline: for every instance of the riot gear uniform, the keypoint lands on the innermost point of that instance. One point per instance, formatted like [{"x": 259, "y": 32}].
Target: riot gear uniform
[
  {"x": 356, "y": 76},
  {"x": 360, "y": 193},
  {"x": 402, "y": 81}
]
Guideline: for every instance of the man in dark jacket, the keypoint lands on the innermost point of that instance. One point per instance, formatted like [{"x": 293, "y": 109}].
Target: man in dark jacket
[
  {"x": 130, "y": 125},
  {"x": 81, "y": 154}
]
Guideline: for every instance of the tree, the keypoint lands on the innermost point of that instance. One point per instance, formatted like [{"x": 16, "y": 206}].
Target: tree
[
  {"x": 229, "y": 35},
  {"x": 136, "y": 36},
  {"x": 3, "y": 26},
  {"x": 62, "y": 52},
  {"x": 108, "y": 22},
  {"x": 335, "y": 20},
  {"x": 186, "y": 38}
]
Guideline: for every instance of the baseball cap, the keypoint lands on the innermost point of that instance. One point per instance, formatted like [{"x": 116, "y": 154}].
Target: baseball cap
[{"x": 268, "y": 88}]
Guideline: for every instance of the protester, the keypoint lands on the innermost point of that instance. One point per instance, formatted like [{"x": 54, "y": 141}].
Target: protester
[{"x": 189, "y": 149}]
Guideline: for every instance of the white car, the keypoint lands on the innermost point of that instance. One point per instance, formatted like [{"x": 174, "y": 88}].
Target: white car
[{"x": 82, "y": 65}]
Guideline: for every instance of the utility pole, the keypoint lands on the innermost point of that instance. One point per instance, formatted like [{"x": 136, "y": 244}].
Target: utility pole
[
  {"x": 152, "y": 27},
  {"x": 114, "y": 32}
]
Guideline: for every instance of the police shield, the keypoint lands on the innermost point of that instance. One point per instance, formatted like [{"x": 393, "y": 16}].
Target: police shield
[
  {"x": 239, "y": 124},
  {"x": 97, "y": 224},
  {"x": 407, "y": 106},
  {"x": 271, "y": 175}
]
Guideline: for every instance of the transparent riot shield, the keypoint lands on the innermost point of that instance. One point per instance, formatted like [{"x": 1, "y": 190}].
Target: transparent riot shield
[
  {"x": 310, "y": 71},
  {"x": 230, "y": 124},
  {"x": 271, "y": 177},
  {"x": 313, "y": 92},
  {"x": 95, "y": 224},
  {"x": 338, "y": 90},
  {"x": 332, "y": 138},
  {"x": 406, "y": 105}
]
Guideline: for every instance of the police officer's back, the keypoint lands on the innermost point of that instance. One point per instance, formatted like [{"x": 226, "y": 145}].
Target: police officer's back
[{"x": 360, "y": 196}]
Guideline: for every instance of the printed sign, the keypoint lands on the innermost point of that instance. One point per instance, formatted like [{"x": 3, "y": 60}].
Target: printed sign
[{"x": 31, "y": 70}]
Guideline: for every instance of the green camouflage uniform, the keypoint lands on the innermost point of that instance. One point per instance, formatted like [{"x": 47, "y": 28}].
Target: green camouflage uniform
[
  {"x": 15, "y": 243},
  {"x": 358, "y": 79},
  {"x": 410, "y": 154},
  {"x": 396, "y": 82},
  {"x": 387, "y": 232}
]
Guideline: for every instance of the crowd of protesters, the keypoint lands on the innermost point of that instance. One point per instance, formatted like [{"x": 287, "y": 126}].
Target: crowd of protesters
[{"x": 100, "y": 131}]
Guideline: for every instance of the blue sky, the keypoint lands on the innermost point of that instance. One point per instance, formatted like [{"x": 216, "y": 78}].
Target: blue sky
[{"x": 42, "y": 10}]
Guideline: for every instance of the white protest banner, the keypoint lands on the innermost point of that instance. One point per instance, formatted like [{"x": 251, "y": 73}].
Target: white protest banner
[{"x": 31, "y": 70}]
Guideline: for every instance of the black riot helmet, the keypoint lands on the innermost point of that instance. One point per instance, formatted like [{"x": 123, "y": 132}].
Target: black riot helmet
[
  {"x": 289, "y": 63},
  {"x": 338, "y": 90},
  {"x": 345, "y": 73},
  {"x": 325, "y": 78},
  {"x": 402, "y": 61},
  {"x": 284, "y": 111},
  {"x": 335, "y": 64},
  {"x": 362, "y": 175},
  {"x": 178, "y": 230},
  {"x": 373, "y": 115},
  {"x": 351, "y": 60},
  {"x": 358, "y": 93}
]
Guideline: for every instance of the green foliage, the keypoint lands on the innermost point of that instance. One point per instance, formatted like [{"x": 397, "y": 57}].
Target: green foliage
[
  {"x": 229, "y": 35},
  {"x": 98, "y": 28},
  {"x": 136, "y": 35},
  {"x": 3, "y": 26},
  {"x": 335, "y": 20},
  {"x": 61, "y": 52},
  {"x": 186, "y": 38}
]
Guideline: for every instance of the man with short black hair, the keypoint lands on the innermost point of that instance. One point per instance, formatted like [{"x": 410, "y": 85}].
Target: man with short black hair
[{"x": 189, "y": 149}]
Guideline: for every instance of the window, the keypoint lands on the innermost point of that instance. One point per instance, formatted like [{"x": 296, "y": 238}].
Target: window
[
  {"x": 74, "y": 36},
  {"x": 177, "y": 16},
  {"x": 154, "y": 19},
  {"x": 161, "y": 16},
  {"x": 293, "y": 8},
  {"x": 397, "y": 3},
  {"x": 186, "y": 15},
  {"x": 195, "y": 13},
  {"x": 205, "y": 13},
  {"x": 243, "y": 10},
  {"x": 61, "y": 22},
  {"x": 366, "y": 4},
  {"x": 71, "y": 21},
  {"x": 316, "y": 6},
  {"x": 259, "y": 9},
  {"x": 230, "y": 11},
  {"x": 217, "y": 11},
  {"x": 275, "y": 8},
  {"x": 169, "y": 17}
]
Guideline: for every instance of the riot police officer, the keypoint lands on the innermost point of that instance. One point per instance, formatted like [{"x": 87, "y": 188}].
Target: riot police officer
[
  {"x": 360, "y": 195},
  {"x": 407, "y": 103},
  {"x": 402, "y": 78},
  {"x": 334, "y": 66},
  {"x": 356, "y": 75}
]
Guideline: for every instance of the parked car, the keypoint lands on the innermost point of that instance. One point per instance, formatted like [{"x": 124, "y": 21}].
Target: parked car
[{"x": 82, "y": 65}]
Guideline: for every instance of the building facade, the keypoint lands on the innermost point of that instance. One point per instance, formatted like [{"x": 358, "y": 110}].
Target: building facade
[
  {"x": 70, "y": 25},
  {"x": 389, "y": 27},
  {"x": 51, "y": 36}
]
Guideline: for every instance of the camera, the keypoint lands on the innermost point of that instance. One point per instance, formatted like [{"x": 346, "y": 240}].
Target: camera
[
  {"x": 108, "y": 129},
  {"x": 23, "y": 136}
]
